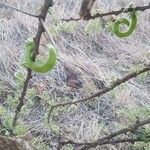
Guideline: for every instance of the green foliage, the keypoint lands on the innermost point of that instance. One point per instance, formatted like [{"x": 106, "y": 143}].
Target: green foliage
[
  {"x": 143, "y": 134},
  {"x": 109, "y": 27},
  {"x": 31, "y": 93},
  {"x": 54, "y": 127},
  {"x": 12, "y": 100},
  {"x": 68, "y": 147},
  {"x": 7, "y": 123},
  {"x": 25, "y": 110},
  {"x": 58, "y": 27},
  {"x": 123, "y": 87},
  {"x": 7, "y": 111},
  {"x": 19, "y": 79},
  {"x": 38, "y": 144},
  {"x": 93, "y": 26},
  {"x": 2, "y": 111},
  {"x": 20, "y": 129},
  {"x": 134, "y": 112},
  {"x": 45, "y": 96},
  {"x": 141, "y": 146},
  {"x": 140, "y": 78}
]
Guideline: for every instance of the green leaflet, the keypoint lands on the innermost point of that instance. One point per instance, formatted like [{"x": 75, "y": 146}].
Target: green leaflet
[
  {"x": 132, "y": 25},
  {"x": 41, "y": 68}
]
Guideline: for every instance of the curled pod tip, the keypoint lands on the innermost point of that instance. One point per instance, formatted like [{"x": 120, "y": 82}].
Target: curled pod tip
[
  {"x": 131, "y": 25},
  {"x": 45, "y": 66}
]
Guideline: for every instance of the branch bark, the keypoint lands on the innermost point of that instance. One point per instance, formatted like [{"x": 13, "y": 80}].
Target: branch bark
[
  {"x": 18, "y": 10},
  {"x": 109, "y": 139},
  {"x": 107, "y": 89},
  {"x": 47, "y": 4},
  {"x": 115, "y": 12}
]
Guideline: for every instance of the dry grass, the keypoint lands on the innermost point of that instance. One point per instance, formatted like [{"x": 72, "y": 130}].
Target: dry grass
[{"x": 97, "y": 56}]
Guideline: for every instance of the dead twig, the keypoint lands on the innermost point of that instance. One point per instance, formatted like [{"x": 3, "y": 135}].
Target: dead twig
[
  {"x": 105, "y": 90},
  {"x": 115, "y": 12},
  {"x": 109, "y": 139},
  {"x": 18, "y": 10},
  {"x": 47, "y": 4}
]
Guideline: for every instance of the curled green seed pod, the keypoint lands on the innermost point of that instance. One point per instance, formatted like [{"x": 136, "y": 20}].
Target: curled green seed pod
[
  {"x": 131, "y": 25},
  {"x": 41, "y": 68}
]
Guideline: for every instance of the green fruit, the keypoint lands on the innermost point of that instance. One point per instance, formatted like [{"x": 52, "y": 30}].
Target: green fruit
[
  {"x": 41, "y": 68},
  {"x": 132, "y": 25}
]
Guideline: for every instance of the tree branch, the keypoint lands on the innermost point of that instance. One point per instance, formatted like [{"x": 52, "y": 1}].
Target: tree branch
[
  {"x": 47, "y": 4},
  {"x": 105, "y": 90},
  {"x": 109, "y": 139},
  {"x": 18, "y": 10},
  {"x": 116, "y": 12}
]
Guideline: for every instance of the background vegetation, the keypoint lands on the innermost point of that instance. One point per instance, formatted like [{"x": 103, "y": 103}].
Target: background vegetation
[{"x": 90, "y": 57}]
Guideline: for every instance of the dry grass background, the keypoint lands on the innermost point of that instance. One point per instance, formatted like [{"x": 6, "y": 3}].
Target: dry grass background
[{"x": 86, "y": 64}]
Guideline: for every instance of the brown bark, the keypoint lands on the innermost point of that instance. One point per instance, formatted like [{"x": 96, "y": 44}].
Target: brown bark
[{"x": 85, "y": 9}]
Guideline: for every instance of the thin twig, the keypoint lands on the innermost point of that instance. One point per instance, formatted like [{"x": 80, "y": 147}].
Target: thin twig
[
  {"x": 47, "y": 30},
  {"x": 109, "y": 139},
  {"x": 116, "y": 12},
  {"x": 21, "y": 99},
  {"x": 47, "y": 4},
  {"x": 105, "y": 90},
  {"x": 126, "y": 140},
  {"x": 92, "y": 145},
  {"x": 18, "y": 10}
]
